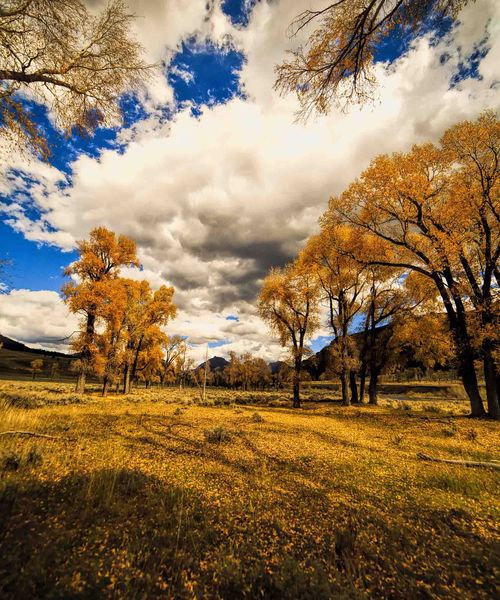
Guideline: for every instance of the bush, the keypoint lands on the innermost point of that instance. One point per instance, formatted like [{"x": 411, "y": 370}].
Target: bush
[
  {"x": 257, "y": 417},
  {"x": 471, "y": 435},
  {"x": 34, "y": 458},
  {"x": 397, "y": 439},
  {"x": 11, "y": 462},
  {"x": 217, "y": 435}
]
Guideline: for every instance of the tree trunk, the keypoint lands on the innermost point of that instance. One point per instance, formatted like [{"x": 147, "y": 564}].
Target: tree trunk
[
  {"x": 491, "y": 381},
  {"x": 469, "y": 380},
  {"x": 126, "y": 380},
  {"x": 373, "y": 387},
  {"x": 296, "y": 384},
  {"x": 80, "y": 383},
  {"x": 354, "y": 387},
  {"x": 362, "y": 382},
  {"x": 136, "y": 358},
  {"x": 105, "y": 386},
  {"x": 344, "y": 384}
]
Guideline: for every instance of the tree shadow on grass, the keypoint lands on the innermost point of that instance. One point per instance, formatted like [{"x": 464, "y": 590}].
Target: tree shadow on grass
[
  {"x": 115, "y": 532},
  {"x": 122, "y": 533}
]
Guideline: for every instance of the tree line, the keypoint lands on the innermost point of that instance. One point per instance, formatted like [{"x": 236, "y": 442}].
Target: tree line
[{"x": 414, "y": 244}]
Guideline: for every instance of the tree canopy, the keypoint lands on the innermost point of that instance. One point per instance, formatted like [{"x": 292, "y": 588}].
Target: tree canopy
[{"x": 57, "y": 53}]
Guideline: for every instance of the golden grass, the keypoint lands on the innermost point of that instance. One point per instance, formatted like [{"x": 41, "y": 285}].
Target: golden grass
[{"x": 141, "y": 497}]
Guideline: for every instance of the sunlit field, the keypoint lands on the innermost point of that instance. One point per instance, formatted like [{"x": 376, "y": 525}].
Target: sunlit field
[{"x": 155, "y": 495}]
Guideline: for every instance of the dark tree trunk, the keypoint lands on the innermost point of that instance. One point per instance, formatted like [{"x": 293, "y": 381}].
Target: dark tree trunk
[
  {"x": 126, "y": 380},
  {"x": 465, "y": 355},
  {"x": 354, "y": 387},
  {"x": 136, "y": 359},
  {"x": 362, "y": 382},
  {"x": 344, "y": 384},
  {"x": 491, "y": 381},
  {"x": 469, "y": 380},
  {"x": 373, "y": 387},
  {"x": 105, "y": 386},
  {"x": 296, "y": 383}
]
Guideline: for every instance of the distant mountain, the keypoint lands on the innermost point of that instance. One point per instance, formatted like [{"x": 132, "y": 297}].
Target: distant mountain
[
  {"x": 215, "y": 363},
  {"x": 10, "y": 344},
  {"x": 276, "y": 366}
]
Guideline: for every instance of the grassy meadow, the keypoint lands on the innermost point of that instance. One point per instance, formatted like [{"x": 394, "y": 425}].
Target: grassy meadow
[{"x": 156, "y": 495}]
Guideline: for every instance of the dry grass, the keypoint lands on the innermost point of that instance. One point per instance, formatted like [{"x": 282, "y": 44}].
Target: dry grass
[{"x": 133, "y": 500}]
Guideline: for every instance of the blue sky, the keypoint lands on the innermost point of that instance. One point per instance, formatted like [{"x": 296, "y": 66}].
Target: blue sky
[
  {"x": 232, "y": 194},
  {"x": 214, "y": 79}
]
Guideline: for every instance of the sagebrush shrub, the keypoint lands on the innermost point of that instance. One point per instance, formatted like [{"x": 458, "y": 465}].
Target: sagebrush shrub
[{"x": 217, "y": 435}]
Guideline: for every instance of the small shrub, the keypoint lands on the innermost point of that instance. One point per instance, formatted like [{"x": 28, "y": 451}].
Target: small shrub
[
  {"x": 217, "y": 435},
  {"x": 11, "y": 462},
  {"x": 406, "y": 406},
  {"x": 177, "y": 412},
  {"x": 449, "y": 431},
  {"x": 34, "y": 458},
  {"x": 345, "y": 546},
  {"x": 434, "y": 409},
  {"x": 464, "y": 484},
  {"x": 471, "y": 435},
  {"x": 257, "y": 417},
  {"x": 397, "y": 439}
]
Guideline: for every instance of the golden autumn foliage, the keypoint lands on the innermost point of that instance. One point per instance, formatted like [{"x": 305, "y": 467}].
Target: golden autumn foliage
[
  {"x": 61, "y": 55},
  {"x": 341, "y": 281},
  {"x": 288, "y": 303},
  {"x": 95, "y": 288},
  {"x": 436, "y": 208},
  {"x": 120, "y": 333},
  {"x": 336, "y": 64}
]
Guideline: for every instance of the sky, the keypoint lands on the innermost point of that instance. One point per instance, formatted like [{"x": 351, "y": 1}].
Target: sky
[{"x": 209, "y": 172}]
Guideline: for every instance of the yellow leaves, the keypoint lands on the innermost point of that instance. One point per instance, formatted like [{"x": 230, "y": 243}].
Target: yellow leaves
[
  {"x": 122, "y": 316},
  {"x": 102, "y": 255},
  {"x": 335, "y": 66},
  {"x": 288, "y": 302}
]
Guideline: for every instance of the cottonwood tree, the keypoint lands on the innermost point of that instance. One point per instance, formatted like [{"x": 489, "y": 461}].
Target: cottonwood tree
[
  {"x": 288, "y": 303},
  {"x": 341, "y": 282},
  {"x": 94, "y": 289},
  {"x": 59, "y": 54},
  {"x": 173, "y": 348},
  {"x": 150, "y": 362},
  {"x": 147, "y": 312},
  {"x": 336, "y": 64},
  {"x": 473, "y": 149},
  {"x": 36, "y": 367},
  {"x": 245, "y": 371},
  {"x": 394, "y": 306},
  {"x": 441, "y": 222}
]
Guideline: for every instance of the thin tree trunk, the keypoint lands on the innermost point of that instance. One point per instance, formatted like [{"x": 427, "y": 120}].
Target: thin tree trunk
[
  {"x": 362, "y": 382},
  {"x": 80, "y": 383},
  {"x": 296, "y": 383},
  {"x": 126, "y": 380},
  {"x": 105, "y": 386},
  {"x": 373, "y": 387},
  {"x": 491, "y": 381},
  {"x": 344, "y": 384},
  {"x": 354, "y": 387}
]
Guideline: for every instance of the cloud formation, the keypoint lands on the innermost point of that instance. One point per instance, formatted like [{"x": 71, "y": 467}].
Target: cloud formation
[{"x": 213, "y": 201}]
